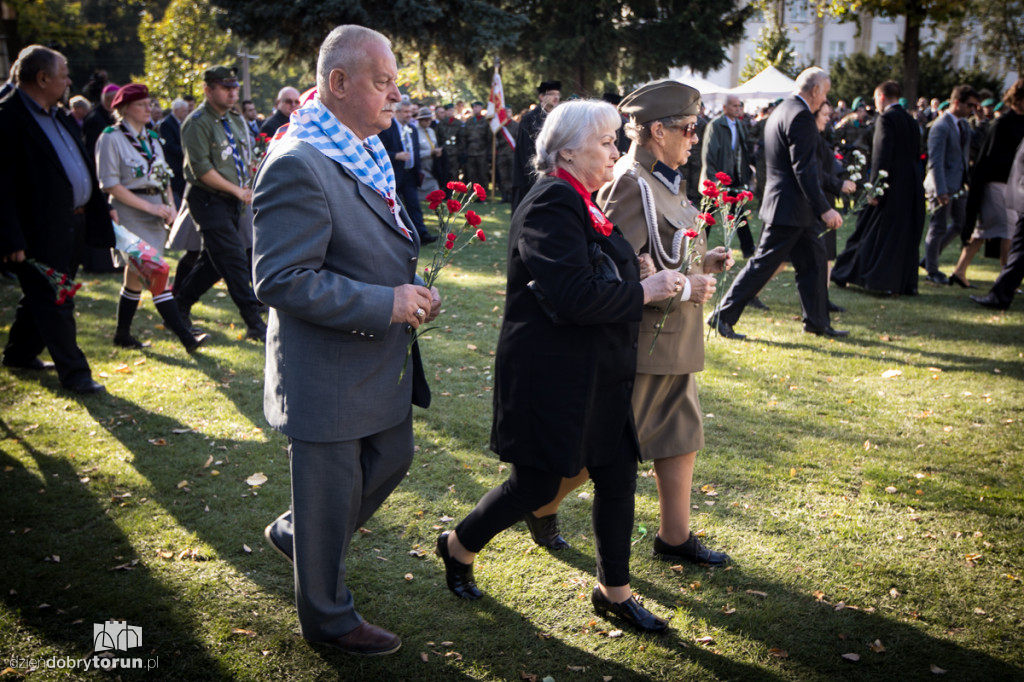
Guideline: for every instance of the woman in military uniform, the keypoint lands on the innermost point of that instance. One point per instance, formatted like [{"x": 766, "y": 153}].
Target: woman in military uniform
[
  {"x": 647, "y": 201},
  {"x": 132, "y": 170}
]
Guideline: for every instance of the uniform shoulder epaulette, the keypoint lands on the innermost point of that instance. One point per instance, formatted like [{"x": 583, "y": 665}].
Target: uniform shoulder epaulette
[
  {"x": 110, "y": 129},
  {"x": 197, "y": 113}
]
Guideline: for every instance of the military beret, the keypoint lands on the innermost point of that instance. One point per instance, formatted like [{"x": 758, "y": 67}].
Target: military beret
[
  {"x": 989, "y": 102},
  {"x": 999, "y": 107},
  {"x": 858, "y": 102},
  {"x": 902, "y": 101},
  {"x": 548, "y": 85},
  {"x": 132, "y": 92},
  {"x": 112, "y": 87},
  {"x": 944, "y": 105},
  {"x": 661, "y": 99},
  {"x": 221, "y": 75},
  {"x": 478, "y": 103}
]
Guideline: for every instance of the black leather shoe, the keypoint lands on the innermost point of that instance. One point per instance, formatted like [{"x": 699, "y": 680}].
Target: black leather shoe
[
  {"x": 960, "y": 282},
  {"x": 988, "y": 301},
  {"x": 34, "y": 364},
  {"x": 827, "y": 331},
  {"x": 458, "y": 575},
  {"x": 366, "y": 640},
  {"x": 724, "y": 328},
  {"x": 629, "y": 611},
  {"x": 257, "y": 333},
  {"x": 275, "y": 540},
  {"x": 86, "y": 386},
  {"x": 833, "y": 308},
  {"x": 127, "y": 341},
  {"x": 197, "y": 341},
  {"x": 428, "y": 238},
  {"x": 545, "y": 531},
  {"x": 692, "y": 550},
  {"x": 759, "y": 304},
  {"x": 938, "y": 278}
]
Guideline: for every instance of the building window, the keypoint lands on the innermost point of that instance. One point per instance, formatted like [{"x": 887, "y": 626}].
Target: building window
[
  {"x": 798, "y": 49},
  {"x": 798, "y": 12},
  {"x": 887, "y": 47},
  {"x": 968, "y": 55},
  {"x": 836, "y": 50}
]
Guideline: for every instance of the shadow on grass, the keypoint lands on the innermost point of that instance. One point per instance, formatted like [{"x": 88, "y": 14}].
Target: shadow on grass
[{"x": 67, "y": 521}]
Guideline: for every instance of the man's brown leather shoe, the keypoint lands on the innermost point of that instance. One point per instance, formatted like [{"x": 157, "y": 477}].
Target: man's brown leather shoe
[{"x": 367, "y": 640}]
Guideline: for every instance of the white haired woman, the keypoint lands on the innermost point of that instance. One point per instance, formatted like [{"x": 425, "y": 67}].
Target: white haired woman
[
  {"x": 131, "y": 169},
  {"x": 566, "y": 359}
]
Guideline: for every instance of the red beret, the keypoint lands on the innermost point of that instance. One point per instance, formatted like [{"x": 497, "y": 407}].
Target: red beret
[{"x": 132, "y": 92}]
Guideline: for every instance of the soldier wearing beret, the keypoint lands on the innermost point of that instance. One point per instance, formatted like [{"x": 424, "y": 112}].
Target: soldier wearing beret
[{"x": 218, "y": 154}]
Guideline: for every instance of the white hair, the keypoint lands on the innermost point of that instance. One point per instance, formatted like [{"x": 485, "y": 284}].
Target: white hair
[
  {"x": 79, "y": 101},
  {"x": 569, "y": 126},
  {"x": 179, "y": 104},
  {"x": 811, "y": 78},
  {"x": 344, "y": 48}
]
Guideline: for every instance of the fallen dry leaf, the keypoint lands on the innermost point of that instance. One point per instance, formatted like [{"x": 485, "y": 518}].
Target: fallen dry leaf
[
  {"x": 165, "y": 554},
  {"x": 157, "y": 441},
  {"x": 705, "y": 640},
  {"x": 454, "y": 654},
  {"x": 246, "y": 548},
  {"x": 877, "y": 646},
  {"x": 424, "y": 657},
  {"x": 209, "y": 461},
  {"x": 408, "y": 576},
  {"x": 852, "y": 657},
  {"x": 576, "y": 668},
  {"x": 936, "y": 669},
  {"x": 819, "y": 595},
  {"x": 181, "y": 484},
  {"x": 890, "y": 373},
  {"x": 259, "y": 478},
  {"x": 728, "y": 610},
  {"x": 894, "y": 593},
  {"x": 243, "y": 631},
  {"x": 418, "y": 553},
  {"x": 179, "y": 431},
  {"x": 757, "y": 593},
  {"x": 615, "y": 633},
  {"x": 678, "y": 568},
  {"x": 529, "y": 677},
  {"x": 891, "y": 490},
  {"x": 778, "y": 653}
]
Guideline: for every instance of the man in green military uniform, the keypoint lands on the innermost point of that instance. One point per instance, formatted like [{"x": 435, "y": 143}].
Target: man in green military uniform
[
  {"x": 218, "y": 154},
  {"x": 450, "y": 134},
  {"x": 478, "y": 147}
]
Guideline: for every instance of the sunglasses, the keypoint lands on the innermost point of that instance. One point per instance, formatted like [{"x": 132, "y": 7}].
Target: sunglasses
[
  {"x": 689, "y": 129},
  {"x": 291, "y": 101}
]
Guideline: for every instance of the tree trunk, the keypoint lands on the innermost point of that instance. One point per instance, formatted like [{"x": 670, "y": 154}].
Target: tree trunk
[{"x": 911, "y": 56}]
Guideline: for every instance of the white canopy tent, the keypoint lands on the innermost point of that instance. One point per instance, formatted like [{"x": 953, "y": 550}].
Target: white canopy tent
[
  {"x": 713, "y": 96},
  {"x": 765, "y": 87}
]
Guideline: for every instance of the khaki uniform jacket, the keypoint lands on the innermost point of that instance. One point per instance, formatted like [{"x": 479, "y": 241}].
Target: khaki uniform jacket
[
  {"x": 206, "y": 146},
  {"x": 680, "y": 346}
]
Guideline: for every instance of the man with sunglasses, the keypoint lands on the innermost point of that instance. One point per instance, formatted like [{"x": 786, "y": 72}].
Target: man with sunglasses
[{"x": 287, "y": 101}]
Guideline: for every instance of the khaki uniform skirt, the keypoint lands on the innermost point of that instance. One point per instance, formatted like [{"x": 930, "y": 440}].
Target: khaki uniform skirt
[{"x": 669, "y": 421}]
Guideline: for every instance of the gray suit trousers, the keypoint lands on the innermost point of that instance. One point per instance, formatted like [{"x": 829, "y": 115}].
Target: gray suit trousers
[
  {"x": 336, "y": 488},
  {"x": 942, "y": 230}
]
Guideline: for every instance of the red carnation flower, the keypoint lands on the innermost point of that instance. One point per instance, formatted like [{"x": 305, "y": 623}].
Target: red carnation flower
[
  {"x": 708, "y": 218},
  {"x": 839, "y": 157},
  {"x": 451, "y": 236},
  {"x": 473, "y": 219},
  {"x": 730, "y": 218},
  {"x": 454, "y": 206},
  {"x": 723, "y": 178},
  {"x": 481, "y": 193},
  {"x": 437, "y": 195},
  {"x": 710, "y": 191},
  {"x": 481, "y": 236},
  {"x": 449, "y": 244},
  {"x": 433, "y": 205},
  {"x": 730, "y": 199},
  {"x": 457, "y": 186},
  {"x": 709, "y": 183},
  {"x": 691, "y": 234}
]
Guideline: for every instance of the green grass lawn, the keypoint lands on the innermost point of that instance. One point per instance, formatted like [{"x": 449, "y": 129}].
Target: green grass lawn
[{"x": 868, "y": 489}]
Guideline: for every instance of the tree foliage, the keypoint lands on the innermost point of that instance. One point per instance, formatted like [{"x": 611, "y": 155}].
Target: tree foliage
[
  {"x": 181, "y": 45},
  {"x": 1001, "y": 24},
  {"x": 857, "y": 75},
  {"x": 53, "y": 23},
  {"x": 774, "y": 48}
]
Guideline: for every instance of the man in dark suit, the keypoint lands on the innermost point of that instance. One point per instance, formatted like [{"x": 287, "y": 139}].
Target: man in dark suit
[
  {"x": 1000, "y": 296},
  {"x": 402, "y": 142},
  {"x": 170, "y": 132},
  {"x": 335, "y": 259},
  {"x": 793, "y": 202},
  {"x": 949, "y": 149},
  {"x": 50, "y": 206},
  {"x": 288, "y": 100}
]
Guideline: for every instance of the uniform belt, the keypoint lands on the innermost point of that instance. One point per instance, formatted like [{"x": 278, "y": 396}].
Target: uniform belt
[{"x": 150, "y": 191}]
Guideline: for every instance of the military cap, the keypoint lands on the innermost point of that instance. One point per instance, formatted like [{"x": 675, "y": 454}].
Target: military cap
[
  {"x": 611, "y": 98},
  {"x": 132, "y": 92},
  {"x": 548, "y": 85},
  {"x": 989, "y": 102},
  {"x": 221, "y": 75},
  {"x": 661, "y": 99},
  {"x": 424, "y": 112}
]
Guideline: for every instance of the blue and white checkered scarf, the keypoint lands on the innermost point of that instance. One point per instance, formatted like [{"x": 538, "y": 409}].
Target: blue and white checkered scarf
[{"x": 315, "y": 124}]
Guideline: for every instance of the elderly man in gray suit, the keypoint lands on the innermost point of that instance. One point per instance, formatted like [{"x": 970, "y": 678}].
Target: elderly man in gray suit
[
  {"x": 949, "y": 148},
  {"x": 335, "y": 259}
]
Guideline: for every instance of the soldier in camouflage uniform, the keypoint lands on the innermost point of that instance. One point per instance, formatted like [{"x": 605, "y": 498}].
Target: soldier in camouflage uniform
[
  {"x": 478, "y": 147},
  {"x": 451, "y": 135},
  {"x": 506, "y": 158}
]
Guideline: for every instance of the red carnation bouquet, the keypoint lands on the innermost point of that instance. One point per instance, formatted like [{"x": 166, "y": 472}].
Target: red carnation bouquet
[
  {"x": 455, "y": 235},
  {"x": 64, "y": 288},
  {"x": 731, "y": 213}
]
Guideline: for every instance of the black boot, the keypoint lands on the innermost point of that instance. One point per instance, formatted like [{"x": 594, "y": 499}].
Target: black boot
[
  {"x": 545, "y": 531},
  {"x": 457, "y": 575},
  {"x": 168, "y": 310},
  {"x": 126, "y": 308}
]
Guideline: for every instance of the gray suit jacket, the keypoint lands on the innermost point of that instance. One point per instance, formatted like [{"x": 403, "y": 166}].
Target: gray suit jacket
[
  {"x": 947, "y": 158},
  {"x": 1015, "y": 183},
  {"x": 327, "y": 254}
]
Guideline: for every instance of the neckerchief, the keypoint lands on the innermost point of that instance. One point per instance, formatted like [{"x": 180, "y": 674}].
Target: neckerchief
[
  {"x": 669, "y": 177},
  {"x": 314, "y": 124},
  {"x": 239, "y": 166},
  {"x": 598, "y": 219},
  {"x": 140, "y": 145}
]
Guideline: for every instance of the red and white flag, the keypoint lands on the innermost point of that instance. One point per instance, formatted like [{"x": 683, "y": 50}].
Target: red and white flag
[{"x": 496, "y": 109}]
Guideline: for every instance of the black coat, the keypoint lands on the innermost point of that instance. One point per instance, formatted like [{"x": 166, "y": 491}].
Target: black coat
[
  {"x": 271, "y": 125},
  {"x": 882, "y": 253},
  {"x": 792, "y": 192},
  {"x": 36, "y": 197},
  {"x": 562, "y": 391},
  {"x": 170, "y": 133}
]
